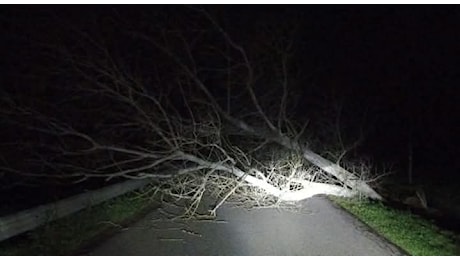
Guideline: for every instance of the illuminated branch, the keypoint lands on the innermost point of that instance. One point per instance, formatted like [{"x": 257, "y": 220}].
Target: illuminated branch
[{"x": 188, "y": 136}]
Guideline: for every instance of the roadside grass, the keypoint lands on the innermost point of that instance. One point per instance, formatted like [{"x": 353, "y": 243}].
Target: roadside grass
[
  {"x": 70, "y": 234},
  {"x": 415, "y": 235}
]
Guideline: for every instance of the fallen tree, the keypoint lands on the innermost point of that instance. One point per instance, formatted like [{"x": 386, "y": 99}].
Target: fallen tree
[{"x": 201, "y": 120}]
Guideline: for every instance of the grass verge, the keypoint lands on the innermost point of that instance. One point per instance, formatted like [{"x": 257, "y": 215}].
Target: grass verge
[
  {"x": 417, "y": 236},
  {"x": 67, "y": 236}
]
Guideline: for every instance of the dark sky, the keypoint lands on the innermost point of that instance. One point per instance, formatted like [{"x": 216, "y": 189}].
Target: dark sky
[
  {"x": 403, "y": 61},
  {"x": 400, "y": 62}
]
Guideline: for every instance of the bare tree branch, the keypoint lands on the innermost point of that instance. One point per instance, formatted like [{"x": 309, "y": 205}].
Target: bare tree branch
[{"x": 189, "y": 131}]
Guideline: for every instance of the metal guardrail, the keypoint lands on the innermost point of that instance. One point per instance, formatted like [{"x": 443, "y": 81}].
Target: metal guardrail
[{"x": 22, "y": 221}]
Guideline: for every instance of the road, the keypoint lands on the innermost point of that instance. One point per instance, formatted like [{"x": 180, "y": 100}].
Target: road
[{"x": 318, "y": 227}]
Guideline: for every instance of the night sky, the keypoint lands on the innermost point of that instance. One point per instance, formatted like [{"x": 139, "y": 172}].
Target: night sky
[{"x": 400, "y": 64}]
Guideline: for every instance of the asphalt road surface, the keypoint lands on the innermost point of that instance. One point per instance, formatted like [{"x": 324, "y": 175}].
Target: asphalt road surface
[{"x": 317, "y": 228}]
